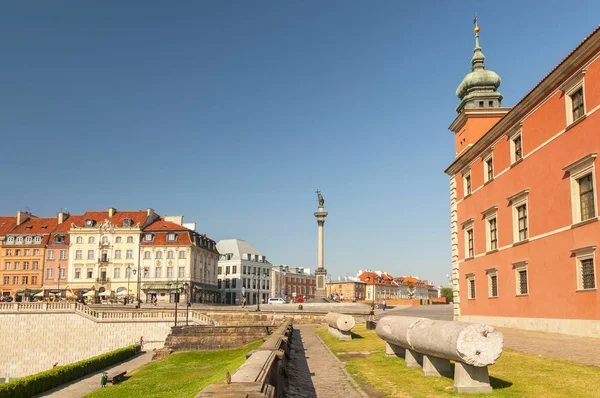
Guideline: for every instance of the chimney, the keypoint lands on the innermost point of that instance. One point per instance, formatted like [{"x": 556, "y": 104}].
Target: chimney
[
  {"x": 111, "y": 211},
  {"x": 62, "y": 216},
  {"x": 150, "y": 212},
  {"x": 22, "y": 216}
]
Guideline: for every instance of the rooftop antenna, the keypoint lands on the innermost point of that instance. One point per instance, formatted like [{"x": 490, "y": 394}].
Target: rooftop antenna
[{"x": 27, "y": 209}]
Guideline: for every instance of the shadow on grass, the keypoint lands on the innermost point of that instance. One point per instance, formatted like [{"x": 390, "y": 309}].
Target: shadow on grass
[
  {"x": 495, "y": 382},
  {"x": 356, "y": 336}
]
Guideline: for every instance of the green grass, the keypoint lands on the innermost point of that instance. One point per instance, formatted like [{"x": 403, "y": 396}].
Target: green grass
[
  {"x": 514, "y": 375},
  {"x": 179, "y": 375}
]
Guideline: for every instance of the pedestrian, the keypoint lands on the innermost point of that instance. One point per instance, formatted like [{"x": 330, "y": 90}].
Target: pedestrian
[
  {"x": 372, "y": 313},
  {"x": 377, "y": 304},
  {"x": 141, "y": 343},
  {"x": 273, "y": 319},
  {"x": 384, "y": 305}
]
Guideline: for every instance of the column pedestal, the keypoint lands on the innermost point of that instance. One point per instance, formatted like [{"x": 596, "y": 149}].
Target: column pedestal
[{"x": 320, "y": 291}]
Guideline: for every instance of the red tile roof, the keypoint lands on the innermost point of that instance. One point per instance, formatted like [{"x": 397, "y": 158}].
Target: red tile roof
[
  {"x": 64, "y": 228},
  {"x": 6, "y": 224},
  {"x": 160, "y": 239},
  {"x": 36, "y": 226},
  {"x": 162, "y": 225},
  {"x": 138, "y": 217}
]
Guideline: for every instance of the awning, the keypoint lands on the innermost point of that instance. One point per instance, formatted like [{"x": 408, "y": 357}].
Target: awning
[
  {"x": 91, "y": 293},
  {"x": 105, "y": 293},
  {"x": 161, "y": 286},
  {"x": 32, "y": 292}
]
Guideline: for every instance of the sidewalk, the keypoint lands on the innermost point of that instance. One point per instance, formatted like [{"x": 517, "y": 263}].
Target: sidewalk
[
  {"x": 315, "y": 371},
  {"x": 90, "y": 383}
]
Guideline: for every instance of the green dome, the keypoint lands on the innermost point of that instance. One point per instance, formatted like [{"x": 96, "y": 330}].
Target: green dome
[{"x": 478, "y": 78}]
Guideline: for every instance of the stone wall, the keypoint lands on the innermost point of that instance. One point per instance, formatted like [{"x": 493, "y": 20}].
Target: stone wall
[
  {"x": 32, "y": 343},
  {"x": 195, "y": 338}
]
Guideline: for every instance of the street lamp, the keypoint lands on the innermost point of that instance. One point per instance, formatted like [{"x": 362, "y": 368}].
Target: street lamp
[
  {"x": 258, "y": 276},
  {"x": 139, "y": 282},
  {"x": 128, "y": 277},
  {"x": 188, "y": 303}
]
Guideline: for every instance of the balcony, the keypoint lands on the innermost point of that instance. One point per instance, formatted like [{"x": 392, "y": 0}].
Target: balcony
[
  {"x": 102, "y": 280},
  {"x": 103, "y": 259}
]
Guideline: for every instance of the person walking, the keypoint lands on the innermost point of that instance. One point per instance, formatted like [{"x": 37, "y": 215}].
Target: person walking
[
  {"x": 384, "y": 305},
  {"x": 372, "y": 313}
]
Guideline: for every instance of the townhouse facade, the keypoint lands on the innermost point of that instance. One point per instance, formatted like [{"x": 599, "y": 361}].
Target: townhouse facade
[
  {"x": 242, "y": 272},
  {"x": 523, "y": 198},
  {"x": 348, "y": 289},
  {"x": 178, "y": 263},
  {"x": 290, "y": 282},
  {"x": 383, "y": 286}
]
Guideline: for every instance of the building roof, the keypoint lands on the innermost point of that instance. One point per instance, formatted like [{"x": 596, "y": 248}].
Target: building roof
[
  {"x": 138, "y": 217},
  {"x": 161, "y": 227},
  {"x": 36, "y": 226},
  {"x": 160, "y": 239},
  {"x": 6, "y": 224},
  {"x": 64, "y": 228},
  {"x": 236, "y": 247}
]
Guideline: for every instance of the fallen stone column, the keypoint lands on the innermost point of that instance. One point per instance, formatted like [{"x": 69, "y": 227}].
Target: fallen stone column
[
  {"x": 433, "y": 344},
  {"x": 340, "y": 325}
]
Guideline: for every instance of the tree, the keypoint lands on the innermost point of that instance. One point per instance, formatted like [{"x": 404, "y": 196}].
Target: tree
[{"x": 447, "y": 292}]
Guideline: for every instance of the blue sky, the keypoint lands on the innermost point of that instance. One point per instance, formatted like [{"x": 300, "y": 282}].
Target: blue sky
[{"x": 232, "y": 113}]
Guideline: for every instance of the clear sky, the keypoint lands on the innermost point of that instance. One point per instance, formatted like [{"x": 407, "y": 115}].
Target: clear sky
[{"x": 232, "y": 113}]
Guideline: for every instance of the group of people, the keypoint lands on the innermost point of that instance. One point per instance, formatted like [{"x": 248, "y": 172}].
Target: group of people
[{"x": 375, "y": 306}]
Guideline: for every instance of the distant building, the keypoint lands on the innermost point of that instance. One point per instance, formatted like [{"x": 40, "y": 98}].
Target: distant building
[
  {"x": 242, "y": 272},
  {"x": 381, "y": 285},
  {"x": 289, "y": 282},
  {"x": 178, "y": 262},
  {"x": 347, "y": 288}
]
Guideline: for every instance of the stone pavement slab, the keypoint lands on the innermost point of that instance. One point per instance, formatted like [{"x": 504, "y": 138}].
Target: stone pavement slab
[
  {"x": 90, "y": 383},
  {"x": 323, "y": 374}
]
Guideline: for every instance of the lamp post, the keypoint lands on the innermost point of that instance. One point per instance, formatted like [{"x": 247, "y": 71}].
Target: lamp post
[
  {"x": 258, "y": 276},
  {"x": 188, "y": 303},
  {"x": 139, "y": 282},
  {"x": 128, "y": 277}
]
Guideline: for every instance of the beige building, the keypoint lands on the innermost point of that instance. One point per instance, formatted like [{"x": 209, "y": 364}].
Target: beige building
[
  {"x": 104, "y": 252},
  {"x": 177, "y": 263},
  {"x": 348, "y": 289}
]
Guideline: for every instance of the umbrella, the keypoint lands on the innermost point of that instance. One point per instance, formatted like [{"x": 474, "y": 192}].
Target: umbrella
[
  {"x": 105, "y": 293},
  {"x": 40, "y": 294},
  {"x": 91, "y": 293}
]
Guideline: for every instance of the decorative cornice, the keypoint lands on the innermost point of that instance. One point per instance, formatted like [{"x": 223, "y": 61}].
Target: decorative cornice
[
  {"x": 584, "y": 250},
  {"x": 489, "y": 211},
  {"x": 468, "y": 222},
  {"x": 518, "y": 195},
  {"x": 575, "y": 165}
]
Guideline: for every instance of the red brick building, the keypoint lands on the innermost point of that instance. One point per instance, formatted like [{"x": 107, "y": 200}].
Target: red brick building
[{"x": 524, "y": 201}]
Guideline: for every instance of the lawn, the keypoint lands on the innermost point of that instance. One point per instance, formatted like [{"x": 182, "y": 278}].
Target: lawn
[
  {"x": 514, "y": 375},
  {"x": 179, "y": 375}
]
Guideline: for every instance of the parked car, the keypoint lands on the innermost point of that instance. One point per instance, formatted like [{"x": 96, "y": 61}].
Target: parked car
[{"x": 276, "y": 300}]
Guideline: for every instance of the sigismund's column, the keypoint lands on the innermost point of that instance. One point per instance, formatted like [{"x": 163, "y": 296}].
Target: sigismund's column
[{"x": 321, "y": 272}]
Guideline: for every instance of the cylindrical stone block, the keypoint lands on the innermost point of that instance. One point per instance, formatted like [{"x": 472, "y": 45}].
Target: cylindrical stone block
[
  {"x": 340, "y": 321},
  {"x": 394, "y": 329},
  {"x": 471, "y": 343}
]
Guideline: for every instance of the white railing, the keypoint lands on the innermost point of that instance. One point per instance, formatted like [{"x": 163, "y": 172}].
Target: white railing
[{"x": 139, "y": 315}]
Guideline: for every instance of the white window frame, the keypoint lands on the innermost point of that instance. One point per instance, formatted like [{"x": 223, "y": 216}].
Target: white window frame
[
  {"x": 490, "y": 214},
  {"x": 118, "y": 239},
  {"x": 129, "y": 253},
  {"x": 471, "y": 278},
  {"x": 491, "y": 273},
  {"x": 63, "y": 254},
  {"x": 50, "y": 254},
  {"x": 577, "y": 170},
  {"x": 568, "y": 89},
  {"x": 487, "y": 156},
  {"x": 520, "y": 266},
  {"x": 467, "y": 175},
  {"x": 78, "y": 254},
  {"x": 79, "y": 240},
  {"x": 130, "y": 239},
  {"x": 512, "y": 136},
  {"x": 517, "y": 200},
  {"x": 585, "y": 253},
  {"x": 469, "y": 225},
  {"x": 117, "y": 254}
]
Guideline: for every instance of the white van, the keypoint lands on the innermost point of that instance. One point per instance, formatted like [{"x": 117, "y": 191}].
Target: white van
[{"x": 276, "y": 301}]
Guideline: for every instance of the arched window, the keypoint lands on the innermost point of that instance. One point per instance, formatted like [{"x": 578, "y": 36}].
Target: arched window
[
  {"x": 170, "y": 254},
  {"x": 147, "y": 254},
  {"x": 130, "y": 239},
  {"x": 159, "y": 254},
  {"x": 79, "y": 239},
  {"x": 105, "y": 240},
  {"x": 91, "y": 239},
  {"x": 118, "y": 239}
]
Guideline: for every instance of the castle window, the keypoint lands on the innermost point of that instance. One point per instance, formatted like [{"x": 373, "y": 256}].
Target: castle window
[{"x": 583, "y": 186}]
